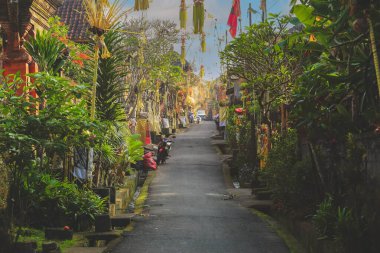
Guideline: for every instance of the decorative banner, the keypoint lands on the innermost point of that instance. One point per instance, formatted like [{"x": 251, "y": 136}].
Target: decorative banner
[
  {"x": 233, "y": 18},
  {"x": 198, "y": 16},
  {"x": 202, "y": 71},
  {"x": 203, "y": 42},
  {"x": 141, "y": 5},
  {"x": 183, "y": 15},
  {"x": 263, "y": 5}
]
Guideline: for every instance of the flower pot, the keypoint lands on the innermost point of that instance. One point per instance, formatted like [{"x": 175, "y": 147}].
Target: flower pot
[
  {"x": 102, "y": 223},
  {"x": 58, "y": 234},
  {"x": 25, "y": 247}
]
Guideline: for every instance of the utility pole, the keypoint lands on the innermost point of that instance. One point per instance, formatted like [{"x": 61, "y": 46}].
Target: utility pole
[
  {"x": 263, "y": 7},
  {"x": 241, "y": 27},
  {"x": 250, "y": 14}
]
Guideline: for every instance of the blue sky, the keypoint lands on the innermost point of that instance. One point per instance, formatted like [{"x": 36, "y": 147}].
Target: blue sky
[{"x": 215, "y": 27}]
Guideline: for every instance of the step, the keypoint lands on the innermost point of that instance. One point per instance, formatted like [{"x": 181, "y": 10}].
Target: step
[
  {"x": 264, "y": 206},
  {"x": 264, "y": 195},
  {"x": 122, "y": 220},
  {"x": 101, "y": 236},
  {"x": 86, "y": 250}
]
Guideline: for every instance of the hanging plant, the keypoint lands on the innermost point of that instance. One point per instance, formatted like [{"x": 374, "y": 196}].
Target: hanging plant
[
  {"x": 202, "y": 72},
  {"x": 183, "y": 14},
  {"x": 198, "y": 16},
  {"x": 203, "y": 42},
  {"x": 141, "y": 5},
  {"x": 183, "y": 51}
]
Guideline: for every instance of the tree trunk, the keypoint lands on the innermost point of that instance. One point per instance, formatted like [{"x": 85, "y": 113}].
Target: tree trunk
[{"x": 253, "y": 141}]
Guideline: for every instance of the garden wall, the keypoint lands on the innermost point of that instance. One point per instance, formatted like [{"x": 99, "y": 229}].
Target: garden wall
[
  {"x": 372, "y": 144},
  {"x": 4, "y": 220}
]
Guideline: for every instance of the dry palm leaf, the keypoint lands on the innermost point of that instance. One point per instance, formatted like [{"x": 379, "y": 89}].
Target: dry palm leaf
[{"x": 101, "y": 15}]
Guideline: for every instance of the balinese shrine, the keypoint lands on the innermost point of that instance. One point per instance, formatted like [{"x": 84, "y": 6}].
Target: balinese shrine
[{"x": 19, "y": 20}]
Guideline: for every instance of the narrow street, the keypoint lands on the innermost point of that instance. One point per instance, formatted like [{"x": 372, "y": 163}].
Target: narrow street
[{"x": 188, "y": 212}]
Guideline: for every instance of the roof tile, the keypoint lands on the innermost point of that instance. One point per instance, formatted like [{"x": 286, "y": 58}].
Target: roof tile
[{"x": 72, "y": 14}]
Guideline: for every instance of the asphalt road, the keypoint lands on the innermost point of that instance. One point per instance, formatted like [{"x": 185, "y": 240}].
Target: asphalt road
[{"x": 187, "y": 210}]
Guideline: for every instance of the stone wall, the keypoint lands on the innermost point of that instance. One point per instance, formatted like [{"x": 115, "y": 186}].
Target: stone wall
[
  {"x": 372, "y": 144},
  {"x": 3, "y": 186}
]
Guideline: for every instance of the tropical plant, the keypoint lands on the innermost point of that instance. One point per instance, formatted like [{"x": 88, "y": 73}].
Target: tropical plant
[
  {"x": 338, "y": 62},
  {"x": 54, "y": 52},
  {"x": 111, "y": 83},
  {"x": 291, "y": 180},
  {"x": 35, "y": 140},
  {"x": 135, "y": 149},
  {"x": 151, "y": 59},
  {"x": 324, "y": 218},
  {"x": 47, "y": 51},
  {"x": 101, "y": 16},
  {"x": 51, "y": 202}
]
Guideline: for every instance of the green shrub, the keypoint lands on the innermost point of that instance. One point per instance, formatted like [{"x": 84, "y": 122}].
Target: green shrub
[
  {"x": 291, "y": 180},
  {"x": 324, "y": 219},
  {"x": 51, "y": 202}
]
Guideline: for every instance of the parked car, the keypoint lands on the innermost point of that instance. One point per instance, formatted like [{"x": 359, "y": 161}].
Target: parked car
[{"x": 201, "y": 114}]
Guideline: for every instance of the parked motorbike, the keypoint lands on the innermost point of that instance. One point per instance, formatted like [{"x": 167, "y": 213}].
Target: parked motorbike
[
  {"x": 163, "y": 150},
  {"x": 149, "y": 162}
]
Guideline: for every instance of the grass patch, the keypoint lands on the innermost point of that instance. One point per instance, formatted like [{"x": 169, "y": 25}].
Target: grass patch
[
  {"x": 38, "y": 236},
  {"x": 144, "y": 192},
  {"x": 130, "y": 227},
  {"x": 293, "y": 245}
]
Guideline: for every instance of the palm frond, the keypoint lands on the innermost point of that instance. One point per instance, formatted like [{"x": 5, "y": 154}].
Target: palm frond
[
  {"x": 46, "y": 51},
  {"x": 102, "y": 15}
]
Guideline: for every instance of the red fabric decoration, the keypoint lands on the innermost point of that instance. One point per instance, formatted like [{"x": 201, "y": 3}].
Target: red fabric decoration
[
  {"x": 233, "y": 18},
  {"x": 149, "y": 162},
  {"x": 148, "y": 140},
  {"x": 239, "y": 110}
]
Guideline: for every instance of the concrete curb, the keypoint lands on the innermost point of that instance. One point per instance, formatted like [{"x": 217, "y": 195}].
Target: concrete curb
[
  {"x": 243, "y": 197},
  {"x": 114, "y": 243}
]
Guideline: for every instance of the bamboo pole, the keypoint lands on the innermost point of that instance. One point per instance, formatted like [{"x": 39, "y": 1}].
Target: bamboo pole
[
  {"x": 374, "y": 52},
  {"x": 94, "y": 83}
]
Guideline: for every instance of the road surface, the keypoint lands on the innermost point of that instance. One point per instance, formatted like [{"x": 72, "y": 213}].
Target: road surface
[{"x": 188, "y": 212}]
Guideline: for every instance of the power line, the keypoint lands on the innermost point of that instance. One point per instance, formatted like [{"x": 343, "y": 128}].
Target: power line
[{"x": 273, "y": 5}]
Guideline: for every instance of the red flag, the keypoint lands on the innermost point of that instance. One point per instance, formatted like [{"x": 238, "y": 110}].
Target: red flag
[{"x": 233, "y": 18}]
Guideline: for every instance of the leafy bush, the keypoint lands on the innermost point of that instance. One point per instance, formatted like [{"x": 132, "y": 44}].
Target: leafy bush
[
  {"x": 135, "y": 148},
  {"x": 55, "y": 203},
  {"x": 290, "y": 179},
  {"x": 324, "y": 218}
]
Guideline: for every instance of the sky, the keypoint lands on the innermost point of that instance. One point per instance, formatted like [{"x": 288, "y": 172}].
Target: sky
[{"x": 215, "y": 26}]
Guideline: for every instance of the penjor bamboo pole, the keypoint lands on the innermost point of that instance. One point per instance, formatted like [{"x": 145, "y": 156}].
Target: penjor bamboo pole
[
  {"x": 374, "y": 52},
  {"x": 94, "y": 83},
  {"x": 183, "y": 15}
]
